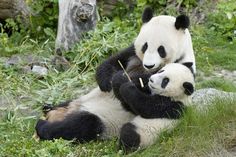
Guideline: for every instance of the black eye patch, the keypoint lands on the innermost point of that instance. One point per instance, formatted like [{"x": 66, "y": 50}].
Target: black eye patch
[
  {"x": 161, "y": 51},
  {"x": 144, "y": 48},
  {"x": 164, "y": 83}
]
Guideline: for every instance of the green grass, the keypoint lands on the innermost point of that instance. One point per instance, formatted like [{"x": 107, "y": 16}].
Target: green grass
[{"x": 198, "y": 133}]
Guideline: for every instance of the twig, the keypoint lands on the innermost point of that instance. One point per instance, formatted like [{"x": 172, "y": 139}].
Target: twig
[
  {"x": 124, "y": 70},
  {"x": 141, "y": 82}
]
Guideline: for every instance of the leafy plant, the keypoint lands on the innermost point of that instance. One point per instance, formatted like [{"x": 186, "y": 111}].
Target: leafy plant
[{"x": 223, "y": 19}]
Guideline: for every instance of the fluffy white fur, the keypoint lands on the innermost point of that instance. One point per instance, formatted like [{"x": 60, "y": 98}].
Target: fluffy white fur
[
  {"x": 149, "y": 129},
  {"x": 161, "y": 30},
  {"x": 178, "y": 74},
  {"x": 106, "y": 107}
]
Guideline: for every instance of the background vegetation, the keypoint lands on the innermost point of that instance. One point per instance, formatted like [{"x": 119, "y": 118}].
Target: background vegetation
[{"x": 22, "y": 94}]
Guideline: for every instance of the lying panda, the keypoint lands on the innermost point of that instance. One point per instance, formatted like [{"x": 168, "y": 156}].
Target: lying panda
[
  {"x": 99, "y": 115},
  {"x": 163, "y": 100}
]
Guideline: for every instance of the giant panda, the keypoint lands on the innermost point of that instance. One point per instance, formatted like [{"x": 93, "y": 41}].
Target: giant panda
[
  {"x": 162, "y": 39},
  {"x": 99, "y": 114},
  {"x": 169, "y": 94}
]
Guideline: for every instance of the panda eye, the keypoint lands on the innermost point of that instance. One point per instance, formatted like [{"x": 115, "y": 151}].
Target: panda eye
[
  {"x": 144, "y": 48},
  {"x": 164, "y": 83},
  {"x": 161, "y": 51}
]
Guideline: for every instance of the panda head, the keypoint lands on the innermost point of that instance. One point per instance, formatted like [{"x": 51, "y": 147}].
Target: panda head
[
  {"x": 161, "y": 40},
  {"x": 174, "y": 80}
]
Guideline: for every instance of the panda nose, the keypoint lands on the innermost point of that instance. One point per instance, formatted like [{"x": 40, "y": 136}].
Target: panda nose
[{"x": 149, "y": 66}]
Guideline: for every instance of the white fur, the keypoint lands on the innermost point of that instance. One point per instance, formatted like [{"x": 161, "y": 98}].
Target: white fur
[
  {"x": 106, "y": 107},
  {"x": 160, "y": 30},
  {"x": 177, "y": 74},
  {"x": 149, "y": 129}
]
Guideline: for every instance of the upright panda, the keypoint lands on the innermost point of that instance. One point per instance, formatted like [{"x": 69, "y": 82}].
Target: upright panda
[
  {"x": 98, "y": 115},
  {"x": 157, "y": 109},
  {"x": 161, "y": 40}
]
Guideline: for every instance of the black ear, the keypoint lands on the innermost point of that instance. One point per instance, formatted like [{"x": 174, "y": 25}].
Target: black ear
[
  {"x": 188, "y": 64},
  {"x": 147, "y": 15},
  {"x": 189, "y": 89},
  {"x": 182, "y": 21}
]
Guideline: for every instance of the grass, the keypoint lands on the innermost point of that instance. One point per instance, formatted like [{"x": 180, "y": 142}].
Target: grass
[{"x": 22, "y": 94}]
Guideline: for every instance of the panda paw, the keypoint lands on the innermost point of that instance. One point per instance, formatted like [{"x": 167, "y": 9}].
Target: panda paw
[
  {"x": 129, "y": 139},
  {"x": 105, "y": 85},
  {"x": 118, "y": 79},
  {"x": 128, "y": 88},
  {"x": 40, "y": 127}
]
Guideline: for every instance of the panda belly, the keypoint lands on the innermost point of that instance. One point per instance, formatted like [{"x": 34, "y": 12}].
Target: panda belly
[{"x": 107, "y": 108}]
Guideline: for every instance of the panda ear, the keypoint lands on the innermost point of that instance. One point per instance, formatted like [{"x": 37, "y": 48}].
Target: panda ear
[
  {"x": 147, "y": 15},
  {"x": 188, "y": 64},
  {"x": 188, "y": 88},
  {"x": 182, "y": 21}
]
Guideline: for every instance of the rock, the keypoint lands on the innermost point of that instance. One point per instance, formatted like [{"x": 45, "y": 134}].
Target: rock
[
  {"x": 42, "y": 71},
  {"x": 22, "y": 60},
  {"x": 206, "y": 96}
]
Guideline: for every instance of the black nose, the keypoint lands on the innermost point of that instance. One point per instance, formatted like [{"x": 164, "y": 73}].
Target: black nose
[{"x": 149, "y": 66}]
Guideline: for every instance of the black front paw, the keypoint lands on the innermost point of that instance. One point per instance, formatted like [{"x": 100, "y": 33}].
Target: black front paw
[
  {"x": 117, "y": 80},
  {"x": 127, "y": 88},
  {"x": 105, "y": 85},
  {"x": 103, "y": 76}
]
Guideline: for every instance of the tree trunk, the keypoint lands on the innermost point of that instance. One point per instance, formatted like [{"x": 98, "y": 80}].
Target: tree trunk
[
  {"x": 12, "y": 8},
  {"x": 75, "y": 17}
]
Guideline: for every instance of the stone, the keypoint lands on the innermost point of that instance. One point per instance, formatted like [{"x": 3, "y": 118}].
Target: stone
[
  {"x": 42, "y": 71},
  {"x": 205, "y": 97}
]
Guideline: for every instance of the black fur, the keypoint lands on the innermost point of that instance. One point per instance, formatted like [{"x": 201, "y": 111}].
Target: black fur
[
  {"x": 150, "y": 106},
  {"x": 189, "y": 89},
  {"x": 189, "y": 66},
  {"x": 129, "y": 138},
  {"x": 144, "y": 48},
  {"x": 110, "y": 66},
  {"x": 161, "y": 51},
  {"x": 117, "y": 80},
  {"x": 182, "y": 21},
  {"x": 120, "y": 78},
  {"x": 147, "y": 15},
  {"x": 81, "y": 126}
]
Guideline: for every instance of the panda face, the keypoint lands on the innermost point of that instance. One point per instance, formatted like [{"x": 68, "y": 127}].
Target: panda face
[
  {"x": 159, "y": 42},
  {"x": 173, "y": 80}
]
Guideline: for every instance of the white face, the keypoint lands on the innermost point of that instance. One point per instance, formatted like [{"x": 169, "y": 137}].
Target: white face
[
  {"x": 159, "y": 42},
  {"x": 170, "y": 79}
]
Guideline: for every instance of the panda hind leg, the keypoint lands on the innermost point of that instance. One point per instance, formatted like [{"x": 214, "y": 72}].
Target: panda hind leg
[
  {"x": 141, "y": 133},
  {"x": 81, "y": 126},
  {"x": 129, "y": 139}
]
